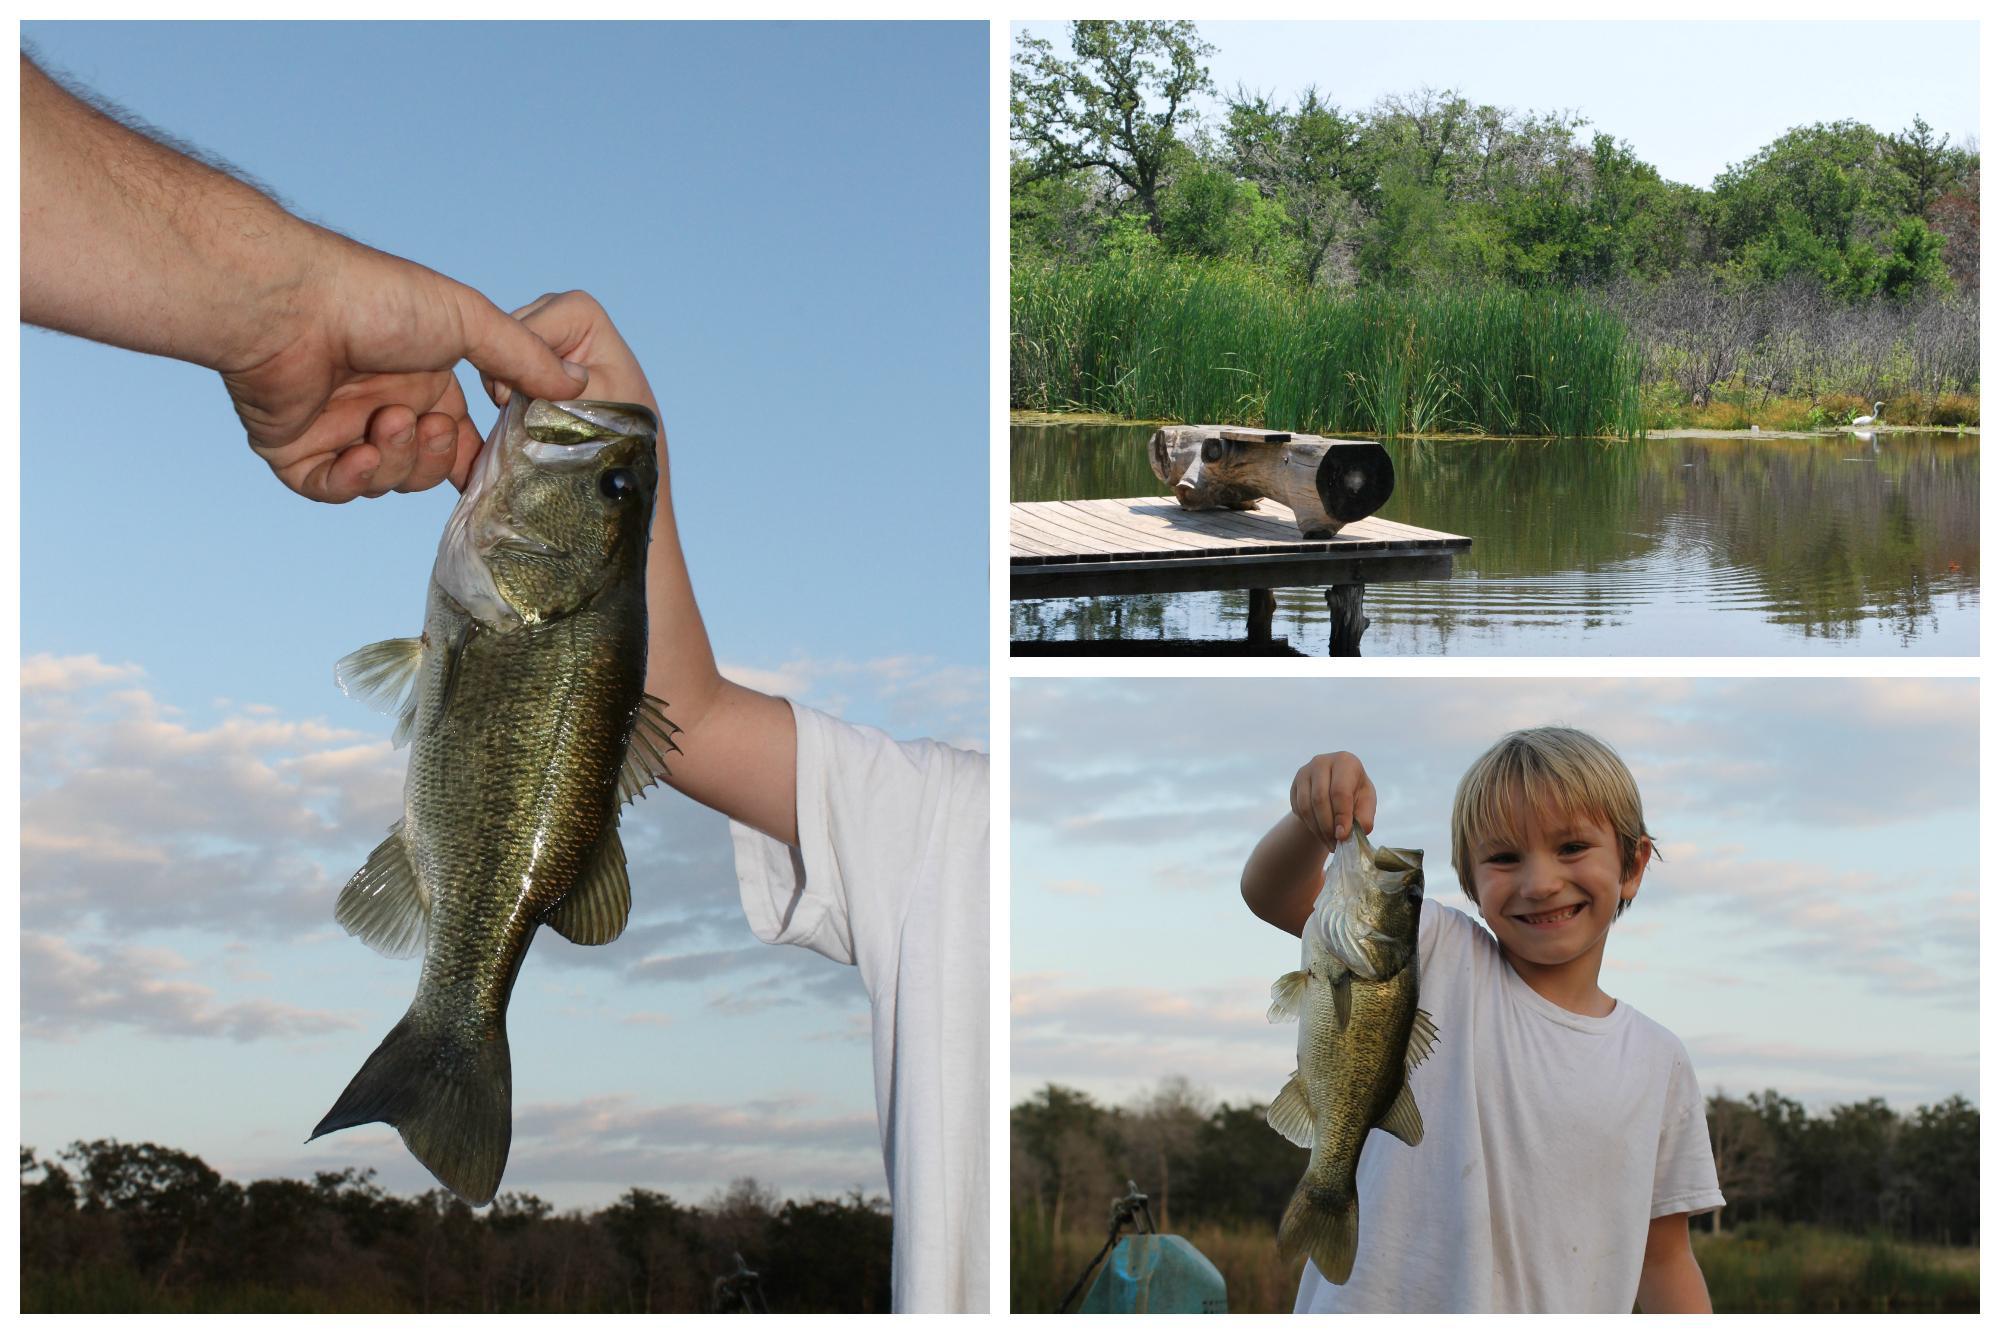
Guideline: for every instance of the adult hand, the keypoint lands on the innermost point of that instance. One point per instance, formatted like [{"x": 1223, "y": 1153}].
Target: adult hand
[
  {"x": 1330, "y": 794},
  {"x": 357, "y": 396}
]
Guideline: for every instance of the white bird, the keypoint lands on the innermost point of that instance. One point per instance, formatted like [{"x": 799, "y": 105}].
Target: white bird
[{"x": 1868, "y": 420}]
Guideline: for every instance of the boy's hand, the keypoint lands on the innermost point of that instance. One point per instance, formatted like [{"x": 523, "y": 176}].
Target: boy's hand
[
  {"x": 578, "y": 330},
  {"x": 1330, "y": 794}
]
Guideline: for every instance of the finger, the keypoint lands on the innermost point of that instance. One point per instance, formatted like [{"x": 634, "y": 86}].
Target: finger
[
  {"x": 507, "y": 350},
  {"x": 466, "y": 453},
  {"x": 1303, "y": 803},
  {"x": 1323, "y": 808},
  {"x": 1364, "y": 805},
  {"x": 393, "y": 433},
  {"x": 437, "y": 450},
  {"x": 1339, "y": 802},
  {"x": 339, "y": 478}
]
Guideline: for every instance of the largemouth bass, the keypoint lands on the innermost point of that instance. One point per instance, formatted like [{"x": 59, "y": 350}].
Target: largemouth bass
[
  {"x": 524, "y": 707},
  {"x": 1360, "y": 1034}
]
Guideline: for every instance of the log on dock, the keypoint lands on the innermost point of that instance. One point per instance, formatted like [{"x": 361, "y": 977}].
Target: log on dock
[{"x": 1326, "y": 483}]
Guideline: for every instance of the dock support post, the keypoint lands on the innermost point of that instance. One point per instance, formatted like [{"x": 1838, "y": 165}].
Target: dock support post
[
  {"x": 1344, "y": 615},
  {"x": 1263, "y": 604}
]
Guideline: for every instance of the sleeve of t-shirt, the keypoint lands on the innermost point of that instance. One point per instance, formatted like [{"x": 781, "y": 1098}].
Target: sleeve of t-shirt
[
  {"x": 1684, "y": 1172},
  {"x": 866, "y": 804}
]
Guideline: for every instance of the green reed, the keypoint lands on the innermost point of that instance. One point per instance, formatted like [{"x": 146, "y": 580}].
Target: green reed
[{"x": 1219, "y": 342}]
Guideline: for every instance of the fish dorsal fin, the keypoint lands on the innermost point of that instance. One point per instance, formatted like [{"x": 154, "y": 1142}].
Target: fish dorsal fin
[
  {"x": 1423, "y": 1036},
  {"x": 1290, "y": 1115},
  {"x": 646, "y": 753},
  {"x": 596, "y": 908},
  {"x": 1343, "y": 998},
  {"x": 382, "y": 674},
  {"x": 1403, "y": 1120},
  {"x": 384, "y": 902},
  {"x": 1285, "y": 995}
]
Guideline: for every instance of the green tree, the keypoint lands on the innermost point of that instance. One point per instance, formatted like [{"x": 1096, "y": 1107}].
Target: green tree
[
  {"x": 1118, "y": 106},
  {"x": 1927, "y": 164},
  {"x": 1915, "y": 263},
  {"x": 1312, "y": 161}
]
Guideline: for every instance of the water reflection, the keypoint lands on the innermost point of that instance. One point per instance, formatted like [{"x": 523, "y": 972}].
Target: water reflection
[{"x": 1708, "y": 545}]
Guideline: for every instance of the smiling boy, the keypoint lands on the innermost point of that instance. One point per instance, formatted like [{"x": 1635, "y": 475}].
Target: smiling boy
[{"x": 1565, "y": 1144}]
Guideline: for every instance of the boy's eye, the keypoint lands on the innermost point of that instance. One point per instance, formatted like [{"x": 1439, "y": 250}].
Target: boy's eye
[
  {"x": 1574, "y": 846},
  {"x": 1502, "y": 858}
]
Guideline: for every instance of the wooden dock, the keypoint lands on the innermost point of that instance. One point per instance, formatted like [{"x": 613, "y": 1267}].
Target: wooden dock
[{"x": 1149, "y": 544}]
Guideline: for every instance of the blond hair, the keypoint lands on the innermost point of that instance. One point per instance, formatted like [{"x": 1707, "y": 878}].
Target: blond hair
[{"x": 1554, "y": 771}]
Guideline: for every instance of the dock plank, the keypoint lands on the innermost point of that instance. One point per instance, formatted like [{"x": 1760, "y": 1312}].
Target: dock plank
[{"x": 1149, "y": 542}]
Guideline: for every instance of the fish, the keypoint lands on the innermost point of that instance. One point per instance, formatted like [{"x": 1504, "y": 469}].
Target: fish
[
  {"x": 1361, "y": 1033},
  {"x": 524, "y": 708}
]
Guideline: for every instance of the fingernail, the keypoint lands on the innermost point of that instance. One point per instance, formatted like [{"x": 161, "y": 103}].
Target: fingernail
[
  {"x": 576, "y": 372},
  {"x": 405, "y": 436},
  {"x": 438, "y": 445}
]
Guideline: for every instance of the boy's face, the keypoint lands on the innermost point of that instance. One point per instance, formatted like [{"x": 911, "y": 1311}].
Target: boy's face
[{"x": 1550, "y": 890}]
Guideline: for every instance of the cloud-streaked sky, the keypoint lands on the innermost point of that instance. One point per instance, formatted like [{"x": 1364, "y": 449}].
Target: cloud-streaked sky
[
  {"x": 1812, "y": 927},
  {"x": 806, "y": 287},
  {"x": 1692, "y": 97}
]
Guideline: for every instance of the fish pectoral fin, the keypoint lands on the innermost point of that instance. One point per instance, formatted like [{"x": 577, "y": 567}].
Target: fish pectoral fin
[
  {"x": 1403, "y": 1120},
  {"x": 1290, "y": 1115},
  {"x": 646, "y": 753},
  {"x": 1343, "y": 999},
  {"x": 595, "y": 910},
  {"x": 384, "y": 902},
  {"x": 1423, "y": 1036},
  {"x": 1286, "y": 993},
  {"x": 382, "y": 674}
]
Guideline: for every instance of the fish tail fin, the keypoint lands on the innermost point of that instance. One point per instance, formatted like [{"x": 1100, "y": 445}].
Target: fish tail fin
[
  {"x": 453, "y": 1105},
  {"x": 1325, "y": 1224}
]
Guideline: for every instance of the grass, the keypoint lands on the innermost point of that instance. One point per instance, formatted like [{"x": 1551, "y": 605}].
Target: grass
[
  {"x": 1755, "y": 1267},
  {"x": 1179, "y": 340},
  {"x": 1734, "y": 409}
]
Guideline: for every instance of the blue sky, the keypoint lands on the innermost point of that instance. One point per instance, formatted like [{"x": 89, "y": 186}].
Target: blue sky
[
  {"x": 789, "y": 224},
  {"x": 1690, "y": 97},
  {"x": 1812, "y": 928}
]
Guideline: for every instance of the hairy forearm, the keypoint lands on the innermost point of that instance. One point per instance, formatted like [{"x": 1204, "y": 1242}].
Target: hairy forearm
[
  {"x": 125, "y": 241},
  {"x": 1284, "y": 873},
  {"x": 739, "y": 748}
]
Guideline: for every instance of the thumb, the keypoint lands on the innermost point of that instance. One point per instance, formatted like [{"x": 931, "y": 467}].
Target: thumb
[{"x": 506, "y": 350}]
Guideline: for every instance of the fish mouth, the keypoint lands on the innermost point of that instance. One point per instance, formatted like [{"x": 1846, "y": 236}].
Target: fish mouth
[{"x": 1552, "y": 916}]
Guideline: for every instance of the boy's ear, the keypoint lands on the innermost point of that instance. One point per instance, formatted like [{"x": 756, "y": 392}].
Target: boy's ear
[{"x": 1642, "y": 855}]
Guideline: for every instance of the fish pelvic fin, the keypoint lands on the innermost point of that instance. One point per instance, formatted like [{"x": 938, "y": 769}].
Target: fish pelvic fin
[
  {"x": 453, "y": 1106},
  {"x": 384, "y": 902},
  {"x": 1290, "y": 1114},
  {"x": 1403, "y": 1120},
  {"x": 1285, "y": 995},
  {"x": 596, "y": 908},
  {"x": 1324, "y": 1224}
]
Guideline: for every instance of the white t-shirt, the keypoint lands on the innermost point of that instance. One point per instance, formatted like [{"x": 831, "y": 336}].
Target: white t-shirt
[
  {"x": 890, "y": 875},
  {"x": 1551, "y": 1141}
]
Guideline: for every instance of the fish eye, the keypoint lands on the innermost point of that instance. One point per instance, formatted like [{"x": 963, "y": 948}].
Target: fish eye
[{"x": 617, "y": 483}]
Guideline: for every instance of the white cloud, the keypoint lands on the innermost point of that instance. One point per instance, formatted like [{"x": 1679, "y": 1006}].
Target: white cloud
[
  {"x": 47, "y": 672},
  {"x": 67, "y": 991}
]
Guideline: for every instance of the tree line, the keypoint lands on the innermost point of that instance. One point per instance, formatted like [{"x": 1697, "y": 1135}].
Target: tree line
[
  {"x": 1835, "y": 267},
  {"x": 1860, "y": 1167},
  {"x": 109, "y": 1226},
  {"x": 1110, "y": 154}
]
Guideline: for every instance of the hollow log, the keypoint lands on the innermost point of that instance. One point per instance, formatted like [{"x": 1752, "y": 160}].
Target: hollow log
[{"x": 1327, "y": 484}]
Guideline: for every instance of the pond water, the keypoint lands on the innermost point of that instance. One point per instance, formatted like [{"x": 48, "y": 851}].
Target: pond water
[{"x": 1705, "y": 545}]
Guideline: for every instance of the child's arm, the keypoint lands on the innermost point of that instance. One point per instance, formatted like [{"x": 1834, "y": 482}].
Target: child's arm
[
  {"x": 739, "y": 752},
  {"x": 1283, "y": 875},
  {"x": 1670, "y": 1281}
]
